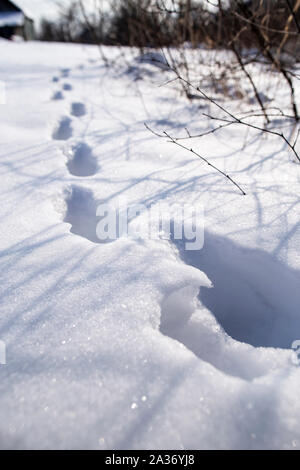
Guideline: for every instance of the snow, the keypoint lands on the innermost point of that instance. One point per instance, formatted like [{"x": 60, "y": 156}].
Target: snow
[
  {"x": 139, "y": 344},
  {"x": 11, "y": 19}
]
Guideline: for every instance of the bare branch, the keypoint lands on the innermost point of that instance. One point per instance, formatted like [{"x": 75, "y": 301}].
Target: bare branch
[{"x": 174, "y": 141}]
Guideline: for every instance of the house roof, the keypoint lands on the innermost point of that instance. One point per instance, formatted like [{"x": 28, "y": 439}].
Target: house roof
[
  {"x": 19, "y": 4},
  {"x": 10, "y": 14},
  {"x": 11, "y": 18}
]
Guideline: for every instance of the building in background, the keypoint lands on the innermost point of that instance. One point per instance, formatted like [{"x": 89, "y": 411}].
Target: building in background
[{"x": 15, "y": 22}]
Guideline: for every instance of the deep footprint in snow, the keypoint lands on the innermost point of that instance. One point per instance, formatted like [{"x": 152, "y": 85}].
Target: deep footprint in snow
[
  {"x": 198, "y": 330},
  {"x": 65, "y": 72},
  {"x": 57, "y": 96},
  {"x": 67, "y": 87},
  {"x": 81, "y": 161},
  {"x": 78, "y": 109},
  {"x": 253, "y": 304},
  {"x": 55, "y": 79},
  {"x": 81, "y": 214},
  {"x": 255, "y": 297},
  {"x": 81, "y": 210},
  {"x": 63, "y": 130}
]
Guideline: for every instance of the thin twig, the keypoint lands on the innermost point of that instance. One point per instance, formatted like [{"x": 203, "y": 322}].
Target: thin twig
[{"x": 197, "y": 155}]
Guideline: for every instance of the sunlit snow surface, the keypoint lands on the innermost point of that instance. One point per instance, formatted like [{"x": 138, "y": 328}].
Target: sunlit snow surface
[{"x": 140, "y": 344}]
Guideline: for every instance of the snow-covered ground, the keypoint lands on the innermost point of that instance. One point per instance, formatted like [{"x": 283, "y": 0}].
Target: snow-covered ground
[{"x": 140, "y": 344}]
